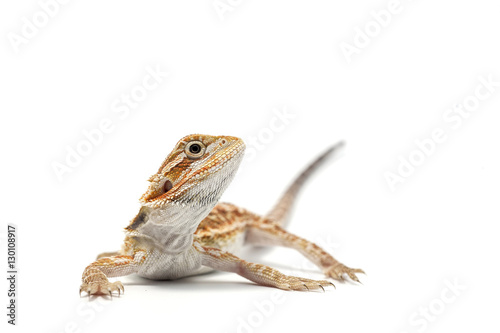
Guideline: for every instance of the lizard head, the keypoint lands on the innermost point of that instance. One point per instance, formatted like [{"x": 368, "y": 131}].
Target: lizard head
[{"x": 196, "y": 172}]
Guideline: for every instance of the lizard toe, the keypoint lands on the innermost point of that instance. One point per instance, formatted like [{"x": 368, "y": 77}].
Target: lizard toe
[
  {"x": 303, "y": 284},
  {"x": 338, "y": 271},
  {"x": 102, "y": 288}
]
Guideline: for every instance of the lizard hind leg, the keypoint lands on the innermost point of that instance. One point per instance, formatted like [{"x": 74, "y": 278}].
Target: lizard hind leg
[
  {"x": 260, "y": 274},
  {"x": 269, "y": 234}
]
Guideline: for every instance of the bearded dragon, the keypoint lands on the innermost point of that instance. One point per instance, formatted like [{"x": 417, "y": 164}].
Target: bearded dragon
[{"x": 182, "y": 230}]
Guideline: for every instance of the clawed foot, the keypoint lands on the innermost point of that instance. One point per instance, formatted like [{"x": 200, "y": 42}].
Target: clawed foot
[
  {"x": 303, "y": 284},
  {"x": 102, "y": 288},
  {"x": 338, "y": 270}
]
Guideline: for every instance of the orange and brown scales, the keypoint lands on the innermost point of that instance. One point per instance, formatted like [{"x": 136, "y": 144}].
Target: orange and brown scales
[
  {"x": 114, "y": 261},
  {"x": 94, "y": 271},
  {"x": 224, "y": 223},
  {"x": 179, "y": 148},
  {"x": 132, "y": 247},
  {"x": 177, "y": 166}
]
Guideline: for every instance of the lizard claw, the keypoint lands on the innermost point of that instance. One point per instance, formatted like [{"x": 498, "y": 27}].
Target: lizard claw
[
  {"x": 297, "y": 283},
  {"x": 102, "y": 288},
  {"x": 338, "y": 270}
]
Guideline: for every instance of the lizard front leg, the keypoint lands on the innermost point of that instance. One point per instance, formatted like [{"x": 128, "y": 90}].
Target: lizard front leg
[
  {"x": 95, "y": 276},
  {"x": 263, "y": 233},
  {"x": 108, "y": 254},
  {"x": 260, "y": 274}
]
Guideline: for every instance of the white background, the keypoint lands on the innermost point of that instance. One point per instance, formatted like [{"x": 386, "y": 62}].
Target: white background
[{"x": 226, "y": 77}]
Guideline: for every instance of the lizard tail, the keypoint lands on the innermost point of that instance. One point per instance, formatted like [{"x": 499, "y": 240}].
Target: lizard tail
[{"x": 280, "y": 213}]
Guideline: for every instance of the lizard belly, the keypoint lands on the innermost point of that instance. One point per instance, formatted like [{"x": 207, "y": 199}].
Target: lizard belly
[{"x": 159, "y": 265}]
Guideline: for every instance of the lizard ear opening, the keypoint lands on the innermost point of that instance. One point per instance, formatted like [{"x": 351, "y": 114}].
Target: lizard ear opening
[
  {"x": 167, "y": 186},
  {"x": 158, "y": 187}
]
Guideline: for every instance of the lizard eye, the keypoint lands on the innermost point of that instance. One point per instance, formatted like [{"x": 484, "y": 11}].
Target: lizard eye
[{"x": 194, "y": 149}]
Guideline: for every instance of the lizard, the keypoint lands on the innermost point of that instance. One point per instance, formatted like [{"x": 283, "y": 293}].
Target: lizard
[{"x": 182, "y": 230}]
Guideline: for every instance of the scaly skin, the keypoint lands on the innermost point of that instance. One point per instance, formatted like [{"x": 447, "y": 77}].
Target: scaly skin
[{"x": 181, "y": 230}]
